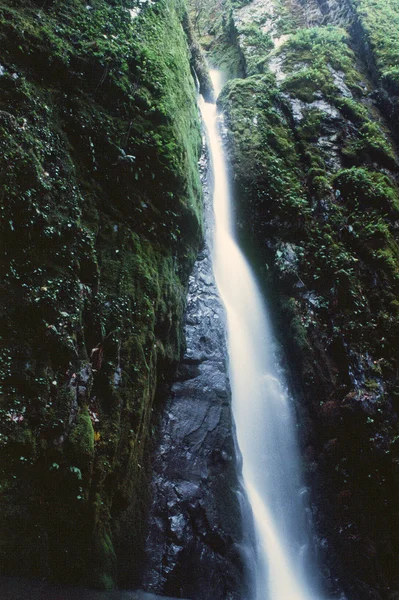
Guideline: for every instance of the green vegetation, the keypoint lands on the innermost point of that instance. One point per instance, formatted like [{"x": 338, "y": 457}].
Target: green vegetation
[
  {"x": 285, "y": 179},
  {"x": 287, "y": 19},
  {"x": 81, "y": 442},
  {"x": 101, "y": 221},
  {"x": 323, "y": 68},
  {"x": 316, "y": 184},
  {"x": 380, "y": 19},
  {"x": 255, "y": 46},
  {"x": 310, "y": 57},
  {"x": 264, "y": 146},
  {"x": 215, "y": 31}
]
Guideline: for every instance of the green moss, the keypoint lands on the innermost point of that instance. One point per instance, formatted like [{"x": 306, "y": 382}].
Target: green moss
[
  {"x": 284, "y": 179},
  {"x": 255, "y": 46},
  {"x": 371, "y": 144},
  {"x": 104, "y": 562},
  {"x": 320, "y": 66},
  {"x": 288, "y": 19},
  {"x": 81, "y": 437},
  {"x": 307, "y": 81},
  {"x": 263, "y": 146},
  {"x": 362, "y": 187},
  {"x": 310, "y": 54},
  {"x": 99, "y": 148},
  {"x": 352, "y": 110},
  {"x": 310, "y": 127},
  {"x": 381, "y": 22}
]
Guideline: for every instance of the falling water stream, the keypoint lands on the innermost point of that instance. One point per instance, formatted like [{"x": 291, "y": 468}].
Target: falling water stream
[{"x": 265, "y": 423}]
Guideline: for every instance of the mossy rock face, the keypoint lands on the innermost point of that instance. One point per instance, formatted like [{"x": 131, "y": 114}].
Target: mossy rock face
[
  {"x": 80, "y": 442},
  {"x": 316, "y": 174},
  {"x": 101, "y": 222},
  {"x": 381, "y": 25}
]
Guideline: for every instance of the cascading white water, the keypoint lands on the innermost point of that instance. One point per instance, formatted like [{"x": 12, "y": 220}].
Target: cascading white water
[{"x": 263, "y": 415}]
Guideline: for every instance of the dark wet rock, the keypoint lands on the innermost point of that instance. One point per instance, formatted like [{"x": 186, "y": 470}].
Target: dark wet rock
[
  {"x": 18, "y": 588},
  {"x": 193, "y": 546}
]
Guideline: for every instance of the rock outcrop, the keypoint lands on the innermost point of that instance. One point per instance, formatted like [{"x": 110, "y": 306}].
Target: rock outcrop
[
  {"x": 101, "y": 226},
  {"x": 101, "y": 208},
  {"x": 193, "y": 547},
  {"x": 316, "y": 171}
]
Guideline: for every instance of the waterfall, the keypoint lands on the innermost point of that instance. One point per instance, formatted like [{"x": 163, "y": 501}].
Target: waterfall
[{"x": 264, "y": 419}]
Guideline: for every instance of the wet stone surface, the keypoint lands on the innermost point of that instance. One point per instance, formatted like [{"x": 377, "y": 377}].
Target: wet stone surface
[
  {"x": 193, "y": 546},
  {"x": 19, "y": 588}
]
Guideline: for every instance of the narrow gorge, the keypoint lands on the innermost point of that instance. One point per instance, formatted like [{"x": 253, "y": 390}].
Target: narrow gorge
[{"x": 126, "y": 461}]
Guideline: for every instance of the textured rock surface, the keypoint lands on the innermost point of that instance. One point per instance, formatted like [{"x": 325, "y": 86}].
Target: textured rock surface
[
  {"x": 322, "y": 12},
  {"x": 100, "y": 227},
  {"x": 16, "y": 588},
  {"x": 316, "y": 175},
  {"x": 194, "y": 528},
  {"x": 101, "y": 222}
]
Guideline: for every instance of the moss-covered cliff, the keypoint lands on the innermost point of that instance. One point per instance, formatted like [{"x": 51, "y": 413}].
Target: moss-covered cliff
[
  {"x": 316, "y": 177},
  {"x": 100, "y": 225}
]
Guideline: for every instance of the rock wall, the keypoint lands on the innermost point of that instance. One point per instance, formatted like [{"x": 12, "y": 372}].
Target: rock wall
[
  {"x": 193, "y": 546},
  {"x": 323, "y": 12},
  {"x": 101, "y": 223},
  {"x": 316, "y": 177}
]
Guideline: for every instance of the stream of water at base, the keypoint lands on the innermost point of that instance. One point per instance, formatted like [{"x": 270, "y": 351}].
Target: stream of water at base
[{"x": 263, "y": 413}]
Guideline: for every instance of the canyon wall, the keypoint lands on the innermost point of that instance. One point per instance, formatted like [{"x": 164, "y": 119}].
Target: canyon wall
[
  {"x": 101, "y": 208},
  {"x": 102, "y": 222},
  {"x": 312, "y": 140}
]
